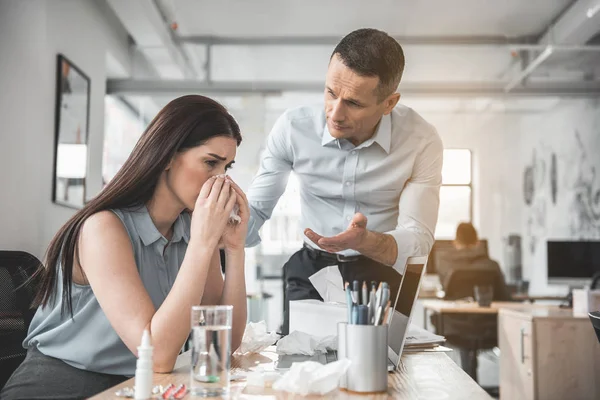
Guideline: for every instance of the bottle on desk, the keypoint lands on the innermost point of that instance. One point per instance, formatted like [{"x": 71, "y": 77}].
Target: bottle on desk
[{"x": 143, "y": 369}]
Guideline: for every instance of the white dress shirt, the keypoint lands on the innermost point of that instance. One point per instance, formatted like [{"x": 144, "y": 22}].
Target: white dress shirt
[{"x": 393, "y": 178}]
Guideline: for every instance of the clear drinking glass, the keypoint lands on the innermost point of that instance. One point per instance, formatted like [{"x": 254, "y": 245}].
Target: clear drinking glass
[
  {"x": 484, "y": 294},
  {"x": 211, "y": 350}
]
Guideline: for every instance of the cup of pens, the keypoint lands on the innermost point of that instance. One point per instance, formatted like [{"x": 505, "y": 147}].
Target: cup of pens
[{"x": 363, "y": 340}]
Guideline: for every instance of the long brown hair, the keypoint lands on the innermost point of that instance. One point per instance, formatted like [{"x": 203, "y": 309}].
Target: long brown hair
[{"x": 185, "y": 122}]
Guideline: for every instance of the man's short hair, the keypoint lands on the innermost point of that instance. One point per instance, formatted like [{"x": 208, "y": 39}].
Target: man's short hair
[
  {"x": 466, "y": 234},
  {"x": 369, "y": 52}
]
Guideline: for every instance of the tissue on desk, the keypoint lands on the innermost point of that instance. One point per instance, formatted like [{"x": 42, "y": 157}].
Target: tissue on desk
[
  {"x": 256, "y": 338},
  {"x": 302, "y": 343},
  {"x": 311, "y": 377},
  {"x": 329, "y": 283}
]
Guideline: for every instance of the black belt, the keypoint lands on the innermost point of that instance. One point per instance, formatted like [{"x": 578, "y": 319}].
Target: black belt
[{"x": 330, "y": 257}]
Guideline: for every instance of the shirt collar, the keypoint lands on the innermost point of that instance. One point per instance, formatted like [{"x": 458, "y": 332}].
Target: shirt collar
[
  {"x": 327, "y": 138},
  {"x": 148, "y": 232},
  {"x": 382, "y": 136}
]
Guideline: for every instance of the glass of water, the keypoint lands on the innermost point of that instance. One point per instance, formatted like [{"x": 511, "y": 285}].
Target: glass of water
[{"x": 211, "y": 350}]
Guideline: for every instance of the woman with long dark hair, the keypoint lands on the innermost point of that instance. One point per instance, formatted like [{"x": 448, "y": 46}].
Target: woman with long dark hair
[{"x": 134, "y": 258}]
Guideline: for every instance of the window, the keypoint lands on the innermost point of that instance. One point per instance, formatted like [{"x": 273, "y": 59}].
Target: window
[
  {"x": 122, "y": 129},
  {"x": 456, "y": 193},
  {"x": 281, "y": 233}
]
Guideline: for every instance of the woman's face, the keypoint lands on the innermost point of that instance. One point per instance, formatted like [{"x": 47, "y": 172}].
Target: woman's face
[{"x": 191, "y": 168}]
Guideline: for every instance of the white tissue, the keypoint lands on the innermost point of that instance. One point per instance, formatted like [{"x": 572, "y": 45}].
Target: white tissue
[
  {"x": 234, "y": 218},
  {"x": 311, "y": 377},
  {"x": 256, "y": 338},
  {"x": 302, "y": 343},
  {"x": 262, "y": 378},
  {"x": 330, "y": 284}
]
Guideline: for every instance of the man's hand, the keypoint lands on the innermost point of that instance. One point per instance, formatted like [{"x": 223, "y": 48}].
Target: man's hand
[
  {"x": 380, "y": 247},
  {"x": 351, "y": 238}
]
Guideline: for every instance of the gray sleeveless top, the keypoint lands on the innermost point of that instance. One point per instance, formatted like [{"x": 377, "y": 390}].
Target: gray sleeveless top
[{"x": 88, "y": 341}]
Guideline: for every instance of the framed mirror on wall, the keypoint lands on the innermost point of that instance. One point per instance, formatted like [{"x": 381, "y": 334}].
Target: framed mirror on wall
[{"x": 71, "y": 134}]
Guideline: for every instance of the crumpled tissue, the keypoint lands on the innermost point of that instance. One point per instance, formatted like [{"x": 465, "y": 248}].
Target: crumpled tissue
[
  {"x": 329, "y": 284},
  {"x": 256, "y": 338},
  {"x": 310, "y": 377},
  {"x": 302, "y": 343}
]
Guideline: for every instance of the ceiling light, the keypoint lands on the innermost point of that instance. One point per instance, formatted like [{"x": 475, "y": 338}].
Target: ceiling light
[{"x": 593, "y": 10}]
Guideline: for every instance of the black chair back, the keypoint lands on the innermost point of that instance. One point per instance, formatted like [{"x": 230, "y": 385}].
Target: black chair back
[
  {"x": 16, "y": 313},
  {"x": 461, "y": 282},
  {"x": 595, "y": 318}
]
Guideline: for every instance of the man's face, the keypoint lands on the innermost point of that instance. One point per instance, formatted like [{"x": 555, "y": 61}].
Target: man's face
[{"x": 352, "y": 107}]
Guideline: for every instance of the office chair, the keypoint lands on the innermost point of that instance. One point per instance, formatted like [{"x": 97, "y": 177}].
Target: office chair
[
  {"x": 470, "y": 332},
  {"x": 16, "y": 296},
  {"x": 460, "y": 282},
  {"x": 595, "y": 318}
]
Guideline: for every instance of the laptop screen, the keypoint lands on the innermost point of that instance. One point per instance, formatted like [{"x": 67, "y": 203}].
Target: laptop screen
[{"x": 406, "y": 298}]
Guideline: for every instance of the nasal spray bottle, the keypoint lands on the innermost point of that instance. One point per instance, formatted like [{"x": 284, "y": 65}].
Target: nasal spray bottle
[{"x": 143, "y": 369}]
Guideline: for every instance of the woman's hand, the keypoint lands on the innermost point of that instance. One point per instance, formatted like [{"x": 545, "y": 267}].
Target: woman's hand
[
  {"x": 211, "y": 212},
  {"x": 234, "y": 235}
]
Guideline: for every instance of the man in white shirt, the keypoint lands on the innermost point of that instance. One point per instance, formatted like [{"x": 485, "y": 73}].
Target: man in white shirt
[{"x": 369, "y": 171}]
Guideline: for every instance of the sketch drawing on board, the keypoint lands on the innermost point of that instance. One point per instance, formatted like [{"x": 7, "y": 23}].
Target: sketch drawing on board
[{"x": 585, "y": 202}]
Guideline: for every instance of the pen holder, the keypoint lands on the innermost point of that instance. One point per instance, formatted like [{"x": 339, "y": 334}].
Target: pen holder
[{"x": 366, "y": 347}]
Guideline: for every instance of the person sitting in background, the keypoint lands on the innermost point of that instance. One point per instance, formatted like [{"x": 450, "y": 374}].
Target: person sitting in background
[
  {"x": 133, "y": 259},
  {"x": 469, "y": 253}
]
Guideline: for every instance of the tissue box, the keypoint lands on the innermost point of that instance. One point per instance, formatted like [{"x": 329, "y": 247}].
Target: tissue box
[
  {"x": 316, "y": 317},
  {"x": 585, "y": 300}
]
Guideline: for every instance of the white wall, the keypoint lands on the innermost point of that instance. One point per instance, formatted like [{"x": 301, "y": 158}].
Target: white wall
[
  {"x": 494, "y": 143},
  {"x": 33, "y": 32},
  {"x": 570, "y": 131}
]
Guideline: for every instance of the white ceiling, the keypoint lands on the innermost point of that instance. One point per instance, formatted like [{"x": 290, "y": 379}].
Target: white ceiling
[{"x": 334, "y": 17}]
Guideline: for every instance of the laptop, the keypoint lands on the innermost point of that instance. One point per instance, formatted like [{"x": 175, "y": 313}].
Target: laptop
[{"x": 398, "y": 321}]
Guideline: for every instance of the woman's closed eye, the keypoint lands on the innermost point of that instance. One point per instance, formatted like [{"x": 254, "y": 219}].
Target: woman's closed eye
[{"x": 214, "y": 163}]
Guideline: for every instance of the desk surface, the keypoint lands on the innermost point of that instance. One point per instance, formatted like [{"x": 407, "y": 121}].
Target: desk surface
[
  {"x": 529, "y": 309},
  {"x": 420, "y": 376}
]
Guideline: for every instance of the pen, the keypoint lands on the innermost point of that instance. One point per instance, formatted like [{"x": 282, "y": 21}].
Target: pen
[
  {"x": 349, "y": 302},
  {"x": 356, "y": 292},
  {"x": 382, "y": 301},
  {"x": 372, "y": 305},
  {"x": 386, "y": 313},
  {"x": 362, "y": 314},
  {"x": 365, "y": 297},
  {"x": 354, "y": 315}
]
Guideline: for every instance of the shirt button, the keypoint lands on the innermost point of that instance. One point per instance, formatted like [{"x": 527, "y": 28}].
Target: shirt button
[
  {"x": 348, "y": 218},
  {"x": 353, "y": 151},
  {"x": 348, "y": 183}
]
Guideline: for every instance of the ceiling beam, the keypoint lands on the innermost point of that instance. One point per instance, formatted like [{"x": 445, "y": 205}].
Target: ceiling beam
[
  {"x": 573, "y": 28},
  {"x": 333, "y": 40},
  {"x": 441, "y": 89}
]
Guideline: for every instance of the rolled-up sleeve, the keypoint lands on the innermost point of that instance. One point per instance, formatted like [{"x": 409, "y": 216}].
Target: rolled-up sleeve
[
  {"x": 271, "y": 180},
  {"x": 419, "y": 204}
]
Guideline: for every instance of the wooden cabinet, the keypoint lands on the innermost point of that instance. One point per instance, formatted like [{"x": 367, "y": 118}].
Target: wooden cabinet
[{"x": 547, "y": 354}]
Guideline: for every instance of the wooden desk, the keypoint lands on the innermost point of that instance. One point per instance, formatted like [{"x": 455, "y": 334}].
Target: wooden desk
[
  {"x": 547, "y": 354},
  {"x": 464, "y": 307},
  {"x": 421, "y": 376}
]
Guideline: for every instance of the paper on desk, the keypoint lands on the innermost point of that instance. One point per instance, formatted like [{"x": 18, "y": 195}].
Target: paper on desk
[
  {"x": 310, "y": 377},
  {"x": 302, "y": 343},
  {"x": 256, "y": 338},
  {"x": 329, "y": 283},
  {"x": 420, "y": 337}
]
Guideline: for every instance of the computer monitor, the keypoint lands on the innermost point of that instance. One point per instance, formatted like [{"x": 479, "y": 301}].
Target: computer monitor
[
  {"x": 441, "y": 247},
  {"x": 572, "y": 262}
]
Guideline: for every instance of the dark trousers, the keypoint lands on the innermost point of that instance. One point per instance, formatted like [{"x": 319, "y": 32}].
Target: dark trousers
[
  {"x": 305, "y": 263},
  {"x": 43, "y": 377}
]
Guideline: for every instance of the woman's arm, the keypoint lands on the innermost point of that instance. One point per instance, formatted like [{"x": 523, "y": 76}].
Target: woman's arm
[
  {"x": 232, "y": 292},
  {"x": 107, "y": 258},
  {"x": 108, "y": 262}
]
